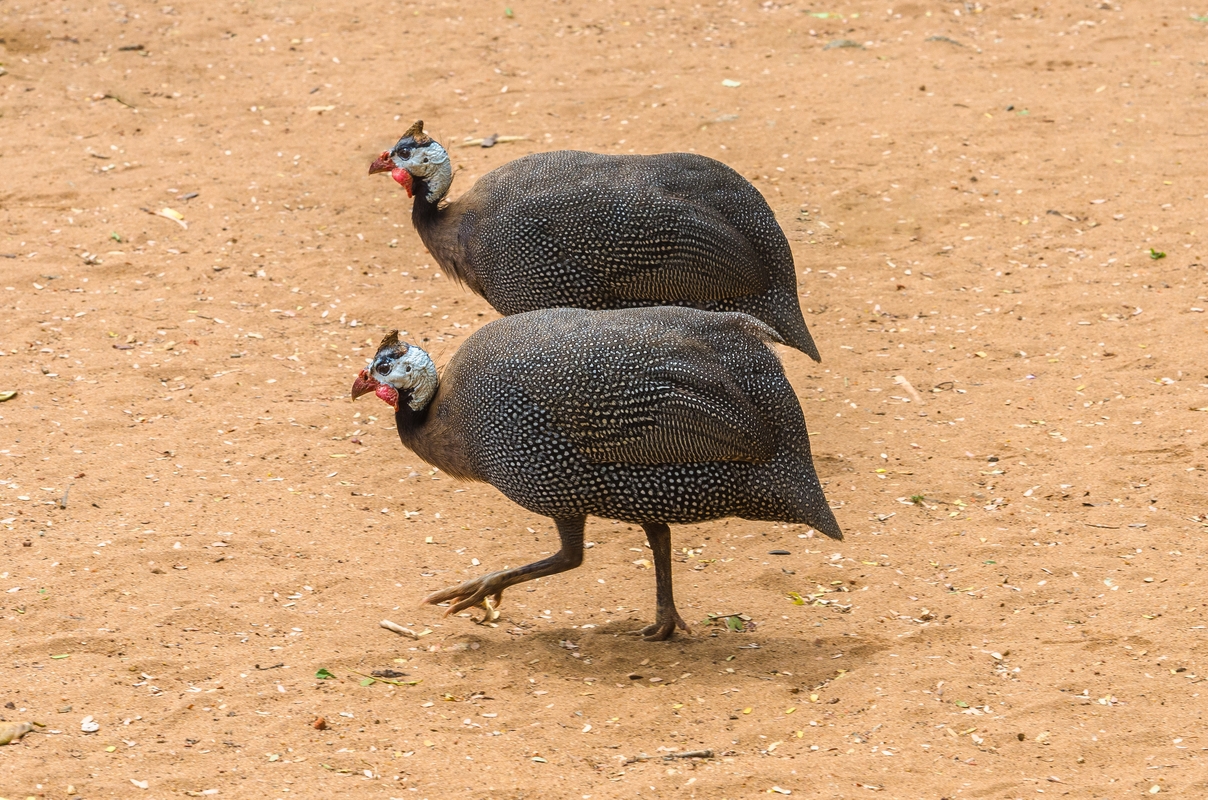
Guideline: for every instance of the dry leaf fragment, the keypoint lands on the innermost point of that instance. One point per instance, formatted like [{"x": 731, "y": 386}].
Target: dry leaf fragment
[
  {"x": 13, "y": 731},
  {"x": 169, "y": 213},
  {"x": 493, "y": 139},
  {"x": 689, "y": 754}
]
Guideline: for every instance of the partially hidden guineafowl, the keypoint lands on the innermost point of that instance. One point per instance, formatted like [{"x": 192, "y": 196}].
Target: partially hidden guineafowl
[
  {"x": 583, "y": 230},
  {"x": 650, "y": 416}
]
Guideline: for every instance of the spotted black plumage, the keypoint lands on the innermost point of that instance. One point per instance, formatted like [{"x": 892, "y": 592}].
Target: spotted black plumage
[
  {"x": 651, "y": 416},
  {"x": 575, "y": 229}
]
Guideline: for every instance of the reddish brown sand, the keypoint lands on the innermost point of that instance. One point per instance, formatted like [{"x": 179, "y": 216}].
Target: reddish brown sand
[{"x": 1009, "y": 417}]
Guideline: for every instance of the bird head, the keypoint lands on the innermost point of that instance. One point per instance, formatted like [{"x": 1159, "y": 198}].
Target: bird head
[
  {"x": 398, "y": 372},
  {"x": 417, "y": 157}
]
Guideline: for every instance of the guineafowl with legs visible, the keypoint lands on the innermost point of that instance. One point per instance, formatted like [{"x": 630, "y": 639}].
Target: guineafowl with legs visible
[
  {"x": 584, "y": 230},
  {"x": 652, "y": 416}
]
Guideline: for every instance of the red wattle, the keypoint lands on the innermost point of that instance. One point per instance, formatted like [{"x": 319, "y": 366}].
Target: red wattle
[
  {"x": 403, "y": 178},
  {"x": 388, "y": 394}
]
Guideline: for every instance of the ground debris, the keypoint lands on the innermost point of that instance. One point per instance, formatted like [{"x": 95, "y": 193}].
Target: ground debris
[{"x": 13, "y": 731}]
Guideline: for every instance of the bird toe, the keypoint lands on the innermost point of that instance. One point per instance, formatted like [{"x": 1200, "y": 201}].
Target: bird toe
[
  {"x": 663, "y": 628},
  {"x": 491, "y": 612},
  {"x": 443, "y": 596}
]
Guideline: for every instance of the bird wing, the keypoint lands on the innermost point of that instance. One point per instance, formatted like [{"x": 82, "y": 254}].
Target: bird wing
[
  {"x": 647, "y": 245},
  {"x": 674, "y": 248},
  {"x": 683, "y": 410}
]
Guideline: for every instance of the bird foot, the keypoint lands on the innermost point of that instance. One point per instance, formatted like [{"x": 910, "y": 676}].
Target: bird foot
[
  {"x": 490, "y": 613},
  {"x": 484, "y": 592},
  {"x": 663, "y": 627}
]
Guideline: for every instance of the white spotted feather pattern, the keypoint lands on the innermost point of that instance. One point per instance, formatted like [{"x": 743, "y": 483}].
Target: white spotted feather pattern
[{"x": 667, "y": 415}]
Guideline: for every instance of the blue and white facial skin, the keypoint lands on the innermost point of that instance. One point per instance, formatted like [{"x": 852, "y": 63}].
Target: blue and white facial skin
[
  {"x": 398, "y": 369},
  {"x": 417, "y": 157}
]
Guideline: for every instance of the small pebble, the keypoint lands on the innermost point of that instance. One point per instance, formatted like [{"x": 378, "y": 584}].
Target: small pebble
[{"x": 779, "y": 553}]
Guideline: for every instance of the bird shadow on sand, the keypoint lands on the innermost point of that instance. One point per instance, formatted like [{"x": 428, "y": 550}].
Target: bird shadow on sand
[{"x": 707, "y": 657}]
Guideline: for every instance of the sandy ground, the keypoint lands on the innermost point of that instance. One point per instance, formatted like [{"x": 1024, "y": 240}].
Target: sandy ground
[{"x": 997, "y": 211}]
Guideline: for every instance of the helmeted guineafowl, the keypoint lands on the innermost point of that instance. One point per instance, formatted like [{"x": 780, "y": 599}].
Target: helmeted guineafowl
[
  {"x": 585, "y": 230},
  {"x": 650, "y": 416}
]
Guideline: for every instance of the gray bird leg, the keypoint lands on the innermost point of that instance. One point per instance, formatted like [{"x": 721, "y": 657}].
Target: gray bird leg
[
  {"x": 667, "y": 618},
  {"x": 487, "y": 590}
]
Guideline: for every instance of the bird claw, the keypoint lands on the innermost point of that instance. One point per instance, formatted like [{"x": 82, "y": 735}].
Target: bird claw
[
  {"x": 663, "y": 627},
  {"x": 490, "y": 612},
  {"x": 476, "y": 593}
]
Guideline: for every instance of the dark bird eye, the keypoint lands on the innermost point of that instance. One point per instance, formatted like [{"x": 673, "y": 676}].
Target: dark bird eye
[
  {"x": 382, "y": 369},
  {"x": 405, "y": 153}
]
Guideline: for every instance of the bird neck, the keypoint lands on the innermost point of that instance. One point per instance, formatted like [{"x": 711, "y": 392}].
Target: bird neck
[
  {"x": 438, "y": 228},
  {"x": 423, "y": 433},
  {"x": 425, "y": 212},
  {"x": 413, "y": 429},
  {"x": 411, "y": 425}
]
